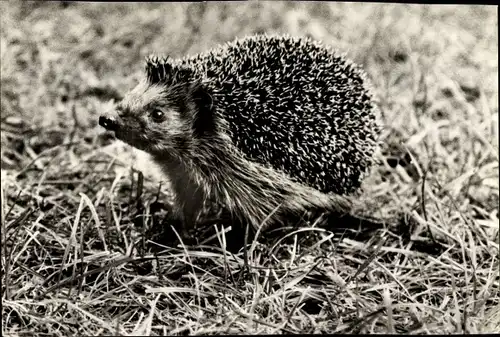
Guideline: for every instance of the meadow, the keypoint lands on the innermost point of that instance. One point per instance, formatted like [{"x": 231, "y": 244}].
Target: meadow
[{"x": 78, "y": 206}]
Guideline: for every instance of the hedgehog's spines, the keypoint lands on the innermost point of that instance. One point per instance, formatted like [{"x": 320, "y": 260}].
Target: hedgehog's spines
[
  {"x": 159, "y": 70},
  {"x": 153, "y": 73},
  {"x": 242, "y": 76}
]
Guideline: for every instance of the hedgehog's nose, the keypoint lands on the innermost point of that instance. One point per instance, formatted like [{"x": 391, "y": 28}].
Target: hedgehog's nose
[{"x": 108, "y": 123}]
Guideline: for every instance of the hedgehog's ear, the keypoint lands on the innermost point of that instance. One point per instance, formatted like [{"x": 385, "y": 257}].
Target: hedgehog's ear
[
  {"x": 201, "y": 96},
  {"x": 203, "y": 118}
]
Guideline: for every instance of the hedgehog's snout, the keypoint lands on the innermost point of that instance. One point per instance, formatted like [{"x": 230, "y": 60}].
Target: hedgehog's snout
[{"x": 108, "y": 123}]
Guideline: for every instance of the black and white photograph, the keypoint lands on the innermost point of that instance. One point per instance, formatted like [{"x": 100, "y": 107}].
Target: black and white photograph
[{"x": 248, "y": 168}]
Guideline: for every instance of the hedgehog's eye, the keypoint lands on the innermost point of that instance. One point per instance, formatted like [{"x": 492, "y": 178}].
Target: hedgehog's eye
[{"x": 158, "y": 116}]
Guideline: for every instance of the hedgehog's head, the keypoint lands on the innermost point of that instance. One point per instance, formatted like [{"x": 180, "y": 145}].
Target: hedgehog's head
[{"x": 165, "y": 112}]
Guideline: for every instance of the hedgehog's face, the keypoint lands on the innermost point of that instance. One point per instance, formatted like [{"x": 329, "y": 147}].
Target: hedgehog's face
[
  {"x": 151, "y": 118},
  {"x": 166, "y": 113}
]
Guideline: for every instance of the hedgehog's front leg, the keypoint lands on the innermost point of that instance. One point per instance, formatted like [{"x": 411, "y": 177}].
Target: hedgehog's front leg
[
  {"x": 189, "y": 202},
  {"x": 188, "y": 196}
]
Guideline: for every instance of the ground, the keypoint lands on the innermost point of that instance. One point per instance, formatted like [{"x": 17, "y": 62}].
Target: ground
[{"x": 76, "y": 254}]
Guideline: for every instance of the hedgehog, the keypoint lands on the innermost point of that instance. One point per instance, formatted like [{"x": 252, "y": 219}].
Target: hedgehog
[{"x": 267, "y": 127}]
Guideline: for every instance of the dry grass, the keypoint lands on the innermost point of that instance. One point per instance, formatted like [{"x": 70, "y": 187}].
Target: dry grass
[{"x": 76, "y": 258}]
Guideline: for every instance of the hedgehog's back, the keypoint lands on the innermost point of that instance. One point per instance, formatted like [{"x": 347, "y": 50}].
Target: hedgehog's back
[{"x": 295, "y": 106}]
